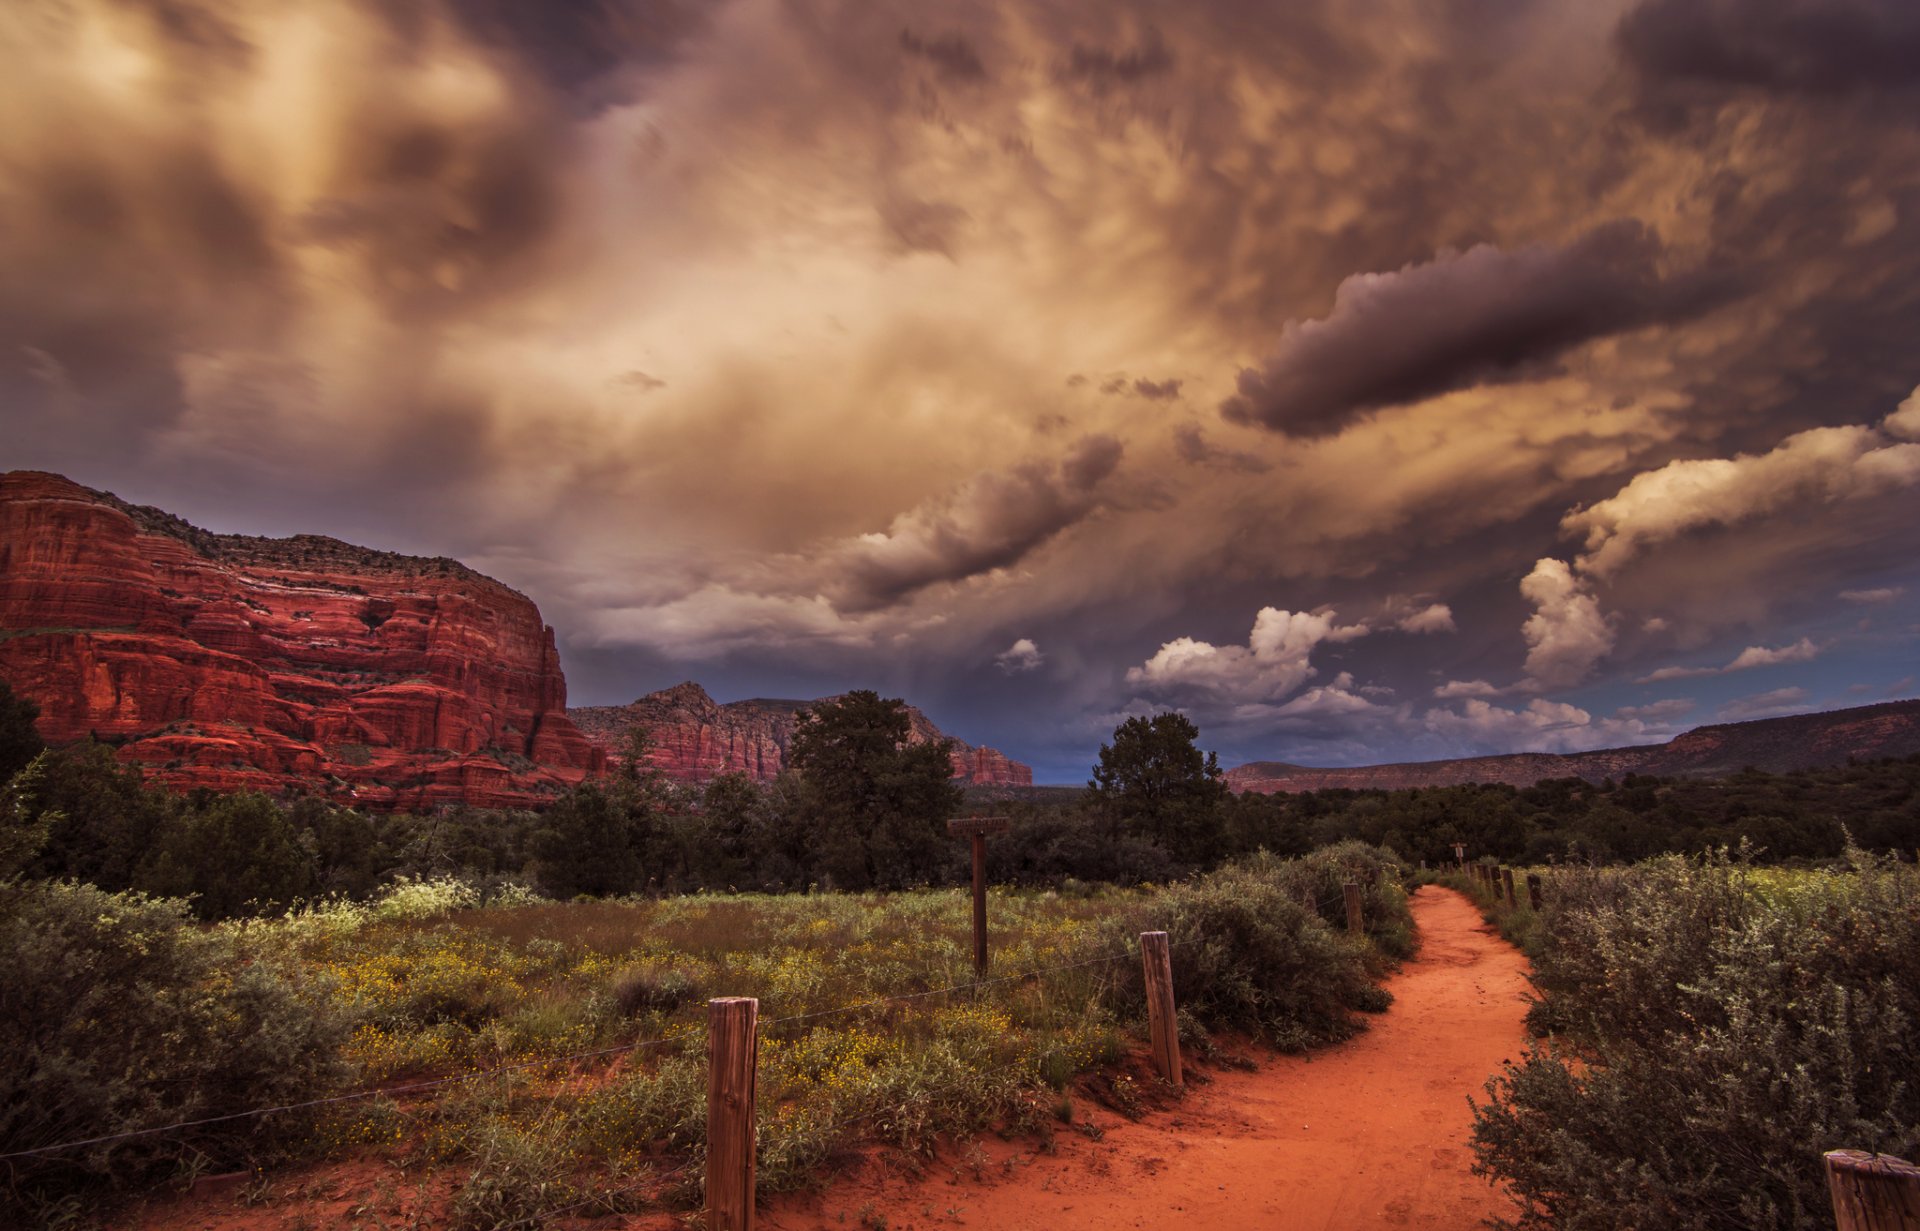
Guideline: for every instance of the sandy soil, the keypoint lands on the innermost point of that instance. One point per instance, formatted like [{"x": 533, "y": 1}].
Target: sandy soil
[{"x": 1372, "y": 1133}]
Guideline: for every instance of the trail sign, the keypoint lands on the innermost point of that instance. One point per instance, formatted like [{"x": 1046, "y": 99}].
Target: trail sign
[{"x": 977, "y": 828}]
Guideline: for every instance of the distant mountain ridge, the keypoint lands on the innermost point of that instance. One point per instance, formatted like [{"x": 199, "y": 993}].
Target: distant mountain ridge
[
  {"x": 1799, "y": 741},
  {"x": 696, "y": 738}
]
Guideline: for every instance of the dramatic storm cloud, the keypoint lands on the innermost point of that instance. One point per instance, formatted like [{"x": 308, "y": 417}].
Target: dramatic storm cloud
[
  {"x": 1013, "y": 357},
  {"x": 1481, "y": 316}
]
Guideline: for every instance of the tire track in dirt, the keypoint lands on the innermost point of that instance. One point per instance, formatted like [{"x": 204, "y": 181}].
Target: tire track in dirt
[{"x": 1372, "y": 1133}]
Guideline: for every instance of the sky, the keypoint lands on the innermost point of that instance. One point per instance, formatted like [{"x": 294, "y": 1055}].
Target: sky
[{"x": 1370, "y": 381}]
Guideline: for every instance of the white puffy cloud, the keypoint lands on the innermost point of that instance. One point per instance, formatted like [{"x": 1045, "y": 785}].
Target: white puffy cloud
[
  {"x": 717, "y": 619},
  {"x": 1658, "y": 711},
  {"x": 1905, "y": 422},
  {"x": 1541, "y": 726},
  {"x": 1466, "y": 688},
  {"x": 1884, "y": 594},
  {"x": 1274, "y": 662},
  {"x": 1803, "y": 650},
  {"x": 1435, "y": 618},
  {"x": 1567, "y": 633},
  {"x": 1824, "y": 464},
  {"x": 1023, "y": 655},
  {"x": 1765, "y": 705}
]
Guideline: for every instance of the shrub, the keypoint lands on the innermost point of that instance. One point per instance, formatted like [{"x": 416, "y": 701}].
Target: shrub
[
  {"x": 117, "y": 1015},
  {"x": 647, "y": 989},
  {"x": 1248, "y": 955},
  {"x": 519, "y": 1178},
  {"x": 1729, "y": 1027}
]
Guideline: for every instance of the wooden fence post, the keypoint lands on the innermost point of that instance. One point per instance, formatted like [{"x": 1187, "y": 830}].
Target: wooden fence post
[
  {"x": 1506, "y": 878},
  {"x": 1873, "y": 1192},
  {"x": 733, "y": 1046},
  {"x": 1533, "y": 891},
  {"x": 1356, "y": 914},
  {"x": 1163, "y": 1023}
]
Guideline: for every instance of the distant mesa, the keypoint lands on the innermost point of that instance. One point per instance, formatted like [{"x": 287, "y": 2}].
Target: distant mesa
[
  {"x": 286, "y": 665},
  {"x": 1777, "y": 745},
  {"x": 695, "y": 738}
]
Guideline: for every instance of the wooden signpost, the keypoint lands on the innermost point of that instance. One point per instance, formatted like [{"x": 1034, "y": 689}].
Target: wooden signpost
[
  {"x": 977, "y": 828},
  {"x": 1460, "y": 854}
]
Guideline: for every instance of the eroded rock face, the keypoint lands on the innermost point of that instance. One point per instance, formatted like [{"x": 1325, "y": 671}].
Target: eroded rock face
[
  {"x": 695, "y": 738},
  {"x": 302, "y": 664},
  {"x": 1799, "y": 741}
]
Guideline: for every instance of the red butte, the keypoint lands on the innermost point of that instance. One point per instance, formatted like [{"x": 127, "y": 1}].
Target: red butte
[
  {"x": 302, "y": 664},
  {"x": 696, "y": 738}
]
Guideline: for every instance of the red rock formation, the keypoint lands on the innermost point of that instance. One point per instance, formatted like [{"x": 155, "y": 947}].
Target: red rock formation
[
  {"x": 302, "y": 664},
  {"x": 695, "y": 738},
  {"x": 1800, "y": 741}
]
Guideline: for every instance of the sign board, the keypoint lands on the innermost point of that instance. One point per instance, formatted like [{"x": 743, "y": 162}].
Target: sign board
[{"x": 970, "y": 826}]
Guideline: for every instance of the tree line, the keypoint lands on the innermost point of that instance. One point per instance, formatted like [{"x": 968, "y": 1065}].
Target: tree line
[{"x": 859, "y": 808}]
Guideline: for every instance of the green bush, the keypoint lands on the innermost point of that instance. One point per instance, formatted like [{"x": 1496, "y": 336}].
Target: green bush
[
  {"x": 118, "y": 1014},
  {"x": 1721, "y": 1028},
  {"x": 1325, "y": 873},
  {"x": 1248, "y": 955}
]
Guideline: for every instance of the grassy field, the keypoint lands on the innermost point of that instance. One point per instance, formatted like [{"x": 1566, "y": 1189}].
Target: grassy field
[{"x": 565, "y": 1042}]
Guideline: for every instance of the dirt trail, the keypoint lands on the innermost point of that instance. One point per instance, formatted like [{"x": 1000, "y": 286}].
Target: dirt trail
[{"x": 1371, "y": 1133}]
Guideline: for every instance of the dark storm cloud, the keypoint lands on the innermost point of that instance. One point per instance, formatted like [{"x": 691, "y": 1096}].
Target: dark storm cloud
[
  {"x": 991, "y": 522},
  {"x": 1190, "y": 443},
  {"x": 1101, "y": 66},
  {"x": 1481, "y": 316},
  {"x": 1816, "y": 46},
  {"x": 923, "y": 226},
  {"x": 573, "y": 47},
  {"x": 1157, "y": 390},
  {"x": 952, "y": 54},
  {"x": 189, "y": 24}
]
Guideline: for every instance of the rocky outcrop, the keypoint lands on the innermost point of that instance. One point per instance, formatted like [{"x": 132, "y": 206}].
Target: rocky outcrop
[
  {"x": 1800, "y": 741},
  {"x": 289, "y": 665},
  {"x": 695, "y": 738}
]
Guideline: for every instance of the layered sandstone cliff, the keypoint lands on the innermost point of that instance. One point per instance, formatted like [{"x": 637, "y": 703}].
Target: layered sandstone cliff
[
  {"x": 1801, "y": 741},
  {"x": 302, "y": 664},
  {"x": 695, "y": 738}
]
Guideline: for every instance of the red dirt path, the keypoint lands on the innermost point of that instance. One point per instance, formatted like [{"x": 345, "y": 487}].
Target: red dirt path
[{"x": 1371, "y": 1133}]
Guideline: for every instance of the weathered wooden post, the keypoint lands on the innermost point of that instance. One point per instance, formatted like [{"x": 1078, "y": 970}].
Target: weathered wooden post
[
  {"x": 733, "y": 1047},
  {"x": 1356, "y": 914},
  {"x": 1163, "y": 1023},
  {"x": 977, "y": 828},
  {"x": 1533, "y": 891},
  {"x": 1873, "y": 1192},
  {"x": 1506, "y": 879},
  {"x": 1460, "y": 855}
]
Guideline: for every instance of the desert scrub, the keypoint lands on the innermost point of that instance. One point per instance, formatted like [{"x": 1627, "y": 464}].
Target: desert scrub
[
  {"x": 119, "y": 1014},
  {"x": 1249, "y": 955},
  {"x": 1718, "y": 1028}
]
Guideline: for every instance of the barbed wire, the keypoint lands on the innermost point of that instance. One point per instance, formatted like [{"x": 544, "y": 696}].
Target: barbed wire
[
  {"x": 883, "y": 1001},
  {"x": 353, "y": 1096}
]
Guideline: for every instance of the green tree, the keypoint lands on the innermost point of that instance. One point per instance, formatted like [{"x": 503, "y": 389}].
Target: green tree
[
  {"x": 233, "y": 855},
  {"x": 1153, "y": 782},
  {"x": 594, "y": 840},
  {"x": 101, "y": 821},
  {"x": 879, "y": 804},
  {"x": 19, "y": 741}
]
